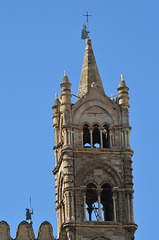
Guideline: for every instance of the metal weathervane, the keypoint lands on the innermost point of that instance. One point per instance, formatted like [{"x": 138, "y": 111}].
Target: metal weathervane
[
  {"x": 85, "y": 30},
  {"x": 29, "y": 212}
]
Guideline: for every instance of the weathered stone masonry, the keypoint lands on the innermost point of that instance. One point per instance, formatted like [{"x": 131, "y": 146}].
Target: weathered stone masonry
[
  {"x": 94, "y": 188},
  {"x": 93, "y": 165}
]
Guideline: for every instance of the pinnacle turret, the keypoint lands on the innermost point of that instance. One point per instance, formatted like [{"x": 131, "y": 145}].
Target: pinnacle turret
[
  {"x": 90, "y": 73},
  {"x": 123, "y": 93},
  {"x": 56, "y": 109},
  {"x": 65, "y": 91},
  {"x": 65, "y": 97},
  {"x": 56, "y": 102},
  {"x": 122, "y": 82}
]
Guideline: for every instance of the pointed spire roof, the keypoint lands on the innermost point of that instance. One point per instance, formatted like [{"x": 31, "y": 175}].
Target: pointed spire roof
[
  {"x": 122, "y": 83},
  {"x": 90, "y": 74},
  {"x": 56, "y": 102}
]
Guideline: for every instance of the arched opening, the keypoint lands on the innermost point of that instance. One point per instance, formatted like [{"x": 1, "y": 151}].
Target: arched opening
[
  {"x": 92, "y": 202},
  {"x": 96, "y": 136},
  {"x": 86, "y": 136},
  {"x": 107, "y": 202},
  {"x": 105, "y": 134}
]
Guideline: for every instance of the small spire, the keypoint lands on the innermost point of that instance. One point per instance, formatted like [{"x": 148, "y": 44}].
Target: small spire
[
  {"x": 112, "y": 96},
  {"x": 65, "y": 78},
  {"x": 122, "y": 77},
  {"x": 56, "y": 102},
  {"x": 123, "y": 93},
  {"x": 90, "y": 74},
  {"x": 122, "y": 82}
]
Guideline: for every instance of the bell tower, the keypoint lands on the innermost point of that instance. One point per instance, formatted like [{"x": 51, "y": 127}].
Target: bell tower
[{"x": 93, "y": 171}]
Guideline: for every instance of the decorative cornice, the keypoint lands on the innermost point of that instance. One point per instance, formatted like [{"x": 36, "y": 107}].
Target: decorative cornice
[
  {"x": 104, "y": 150},
  {"x": 103, "y": 224}
]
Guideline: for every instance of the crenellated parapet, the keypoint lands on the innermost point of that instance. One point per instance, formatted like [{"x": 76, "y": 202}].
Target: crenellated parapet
[{"x": 25, "y": 231}]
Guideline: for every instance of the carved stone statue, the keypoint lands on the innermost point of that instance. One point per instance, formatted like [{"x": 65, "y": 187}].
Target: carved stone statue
[
  {"x": 84, "y": 32},
  {"x": 28, "y": 214}
]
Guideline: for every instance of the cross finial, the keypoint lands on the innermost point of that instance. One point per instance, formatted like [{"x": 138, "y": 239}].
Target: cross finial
[
  {"x": 87, "y": 15},
  {"x": 85, "y": 31}
]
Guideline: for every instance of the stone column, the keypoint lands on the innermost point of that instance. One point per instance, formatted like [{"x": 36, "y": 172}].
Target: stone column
[
  {"x": 72, "y": 206},
  {"x": 99, "y": 204},
  {"x": 116, "y": 137},
  {"x": 91, "y": 135},
  {"x": 72, "y": 137},
  {"x": 132, "y": 212},
  {"x": 122, "y": 203},
  {"x": 65, "y": 137},
  {"x": 82, "y": 138},
  {"x": 101, "y": 136},
  {"x": 128, "y": 138},
  {"x": 84, "y": 207},
  {"x": 69, "y": 136},
  {"x": 63, "y": 211},
  {"x": 114, "y": 208},
  {"x": 70, "y": 235},
  {"x": 114, "y": 203},
  {"x": 122, "y": 139},
  {"x": 128, "y": 206},
  {"x": 68, "y": 202},
  {"x": 110, "y": 137},
  {"x": 65, "y": 207}
]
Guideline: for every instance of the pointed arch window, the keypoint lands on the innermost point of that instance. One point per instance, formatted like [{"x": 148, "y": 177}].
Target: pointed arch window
[
  {"x": 86, "y": 136},
  {"x": 96, "y": 136},
  {"x": 107, "y": 202},
  {"x": 92, "y": 202},
  {"x": 106, "y": 137}
]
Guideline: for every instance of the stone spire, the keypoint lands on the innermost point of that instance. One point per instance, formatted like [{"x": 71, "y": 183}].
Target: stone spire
[
  {"x": 90, "y": 74},
  {"x": 123, "y": 93}
]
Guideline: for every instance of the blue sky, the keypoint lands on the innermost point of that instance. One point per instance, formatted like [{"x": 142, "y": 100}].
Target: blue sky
[{"x": 38, "y": 41}]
